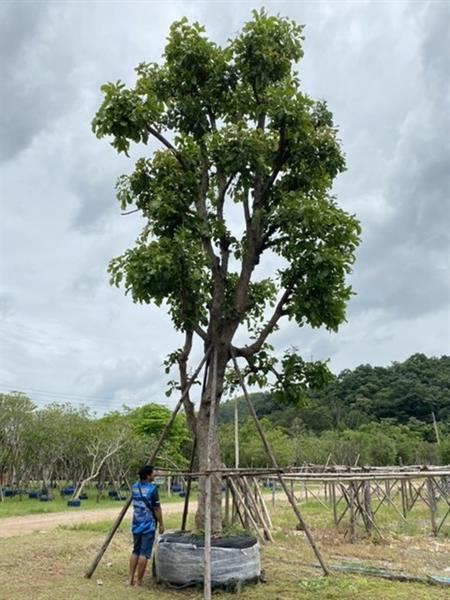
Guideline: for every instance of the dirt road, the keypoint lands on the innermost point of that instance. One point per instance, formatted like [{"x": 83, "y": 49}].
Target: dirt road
[{"x": 12, "y": 526}]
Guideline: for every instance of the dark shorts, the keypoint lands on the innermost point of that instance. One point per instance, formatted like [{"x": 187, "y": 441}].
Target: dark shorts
[{"x": 143, "y": 544}]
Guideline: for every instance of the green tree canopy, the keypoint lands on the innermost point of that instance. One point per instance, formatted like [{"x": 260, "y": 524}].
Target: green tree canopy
[{"x": 244, "y": 171}]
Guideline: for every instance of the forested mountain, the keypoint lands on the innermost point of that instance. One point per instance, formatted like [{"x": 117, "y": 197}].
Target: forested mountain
[
  {"x": 404, "y": 393},
  {"x": 379, "y": 415}
]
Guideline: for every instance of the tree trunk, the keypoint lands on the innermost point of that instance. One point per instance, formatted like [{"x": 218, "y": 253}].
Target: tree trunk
[{"x": 210, "y": 443}]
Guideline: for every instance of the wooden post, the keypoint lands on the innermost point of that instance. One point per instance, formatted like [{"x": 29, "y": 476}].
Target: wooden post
[
  {"x": 432, "y": 503},
  {"x": 236, "y": 511},
  {"x": 207, "y": 553},
  {"x": 436, "y": 430},
  {"x": 154, "y": 454},
  {"x": 368, "y": 507},
  {"x": 227, "y": 503},
  {"x": 246, "y": 510},
  {"x": 263, "y": 504},
  {"x": 245, "y": 499},
  {"x": 403, "y": 497},
  {"x": 188, "y": 486},
  {"x": 236, "y": 433},
  {"x": 258, "y": 512},
  {"x": 351, "y": 497},
  {"x": 333, "y": 501},
  {"x": 275, "y": 465}
]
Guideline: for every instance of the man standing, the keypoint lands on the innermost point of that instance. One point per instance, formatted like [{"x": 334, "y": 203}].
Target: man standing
[{"x": 146, "y": 514}]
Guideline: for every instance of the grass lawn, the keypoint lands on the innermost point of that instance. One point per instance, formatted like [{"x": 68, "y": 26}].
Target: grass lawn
[
  {"x": 51, "y": 564},
  {"x": 18, "y": 506}
]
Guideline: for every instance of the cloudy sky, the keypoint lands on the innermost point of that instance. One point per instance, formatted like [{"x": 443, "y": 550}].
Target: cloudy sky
[{"x": 64, "y": 333}]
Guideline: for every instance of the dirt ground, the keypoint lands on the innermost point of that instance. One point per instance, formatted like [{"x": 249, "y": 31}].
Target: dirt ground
[
  {"x": 12, "y": 526},
  {"x": 48, "y": 557}
]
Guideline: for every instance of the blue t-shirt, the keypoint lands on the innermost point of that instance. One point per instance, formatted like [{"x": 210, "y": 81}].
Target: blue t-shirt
[{"x": 143, "y": 519}]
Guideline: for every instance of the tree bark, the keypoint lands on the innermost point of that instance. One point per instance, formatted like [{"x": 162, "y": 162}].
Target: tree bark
[{"x": 211, "y": 393}]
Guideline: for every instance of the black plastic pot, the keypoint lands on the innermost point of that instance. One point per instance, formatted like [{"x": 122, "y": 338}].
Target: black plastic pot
[
  {"x": 33, "y": 494},
  {"x": 74, "y": 503},
  {"x": 45, "y": 498},
  {"x": 83, "y": 496},
  {"x": 179, "y": 561}
]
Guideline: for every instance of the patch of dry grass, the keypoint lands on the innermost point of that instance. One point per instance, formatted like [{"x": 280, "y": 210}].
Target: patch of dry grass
[{"x": 50, "y": 565}]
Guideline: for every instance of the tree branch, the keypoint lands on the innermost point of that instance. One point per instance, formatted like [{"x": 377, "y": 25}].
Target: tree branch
[
  {"x": 224, "y": 238},
  {"x": 182, "y": 365},
  {"x": 168, "y": 145},
  {"x": 130, "y": 212},
  {"x": 278, "y": 164},
  {"x": 248, "y": 351},
  {"x": 203, "y": 215},
  {"x": 198, "y": 329}
]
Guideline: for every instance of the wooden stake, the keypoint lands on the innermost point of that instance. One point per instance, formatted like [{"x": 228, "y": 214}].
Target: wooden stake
[
  {"x": 227, "y": 503},
  {"x": 351, "y": 496},
  {"x": 403, "y": 497},
  {"x": 246, "y": 511},
  {"x": 154, "y": 454},
  {"x": 432, "y": 504},
  {"x": 275, "y": 465},
  {"x": 207, "y": 553},
  {"x": 436, "y": 430},
  {"x": 333, "y": 502},
  {"x": 236, "y": 433},
  {"x": 258, "y": 512},
  {"x": 188, "y": 486},
  {"x": 263, "y": 504}
]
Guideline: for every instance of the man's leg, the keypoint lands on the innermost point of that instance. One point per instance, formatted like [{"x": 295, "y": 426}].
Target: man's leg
[
  {"x": 141, "y": 566},
  {"x": 134, "y": 559},
  {"x": 145, "y": 553}
]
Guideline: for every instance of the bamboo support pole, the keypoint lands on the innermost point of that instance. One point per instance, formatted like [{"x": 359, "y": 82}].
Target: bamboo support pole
[
  {"x": 432, "y": 504},
  {"x": 263, "y": 504},
  {"x": 90, "y": 571},
  {"x": 227, "y": 503},
  {"x": 258, "y": 513},
  {"x": 207, "y": 553},
  {"x": 443, "y": 521},
  {"x": 333, "y": 502},
  {"x": 387, "y": 498},
  {"x": 351, "y": 497},
  {"x": 246, "y": 510},
  {"x": 188, "y": 487},
  {"x": 237, "y": 514},
  {"x": 275, "y": 465}
]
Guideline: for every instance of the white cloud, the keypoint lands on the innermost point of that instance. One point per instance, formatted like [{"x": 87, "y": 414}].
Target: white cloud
[{"x": 383, "y": 67}]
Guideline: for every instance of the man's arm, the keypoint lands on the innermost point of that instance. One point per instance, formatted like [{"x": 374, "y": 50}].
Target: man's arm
[
  {"x": 157, "y": 510},
  {"x": 159, "y": 517}
]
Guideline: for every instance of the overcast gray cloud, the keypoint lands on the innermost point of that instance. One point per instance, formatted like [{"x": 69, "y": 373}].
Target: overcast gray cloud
[{"x": 383, "y": 67}]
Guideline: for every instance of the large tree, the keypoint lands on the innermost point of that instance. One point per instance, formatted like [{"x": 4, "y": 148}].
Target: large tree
[{"x": 244, "y": 171}]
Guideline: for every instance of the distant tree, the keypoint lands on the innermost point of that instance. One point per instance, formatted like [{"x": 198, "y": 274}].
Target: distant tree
[
  {"x": 105, "y": 438},
  {"x": 245, "y": 173},
  {"x": 251, "y": 451},
  {"x": 149, "y": 421},
  {"x": 16, "y": 413}
]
